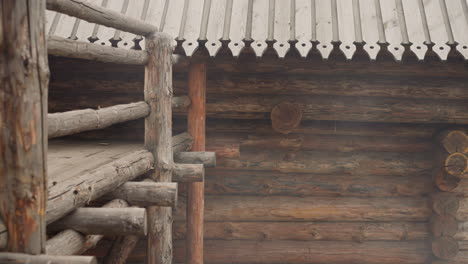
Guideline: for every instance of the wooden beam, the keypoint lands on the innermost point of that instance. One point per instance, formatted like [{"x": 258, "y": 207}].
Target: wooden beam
[
  {"x": 180, "y": 102},
  {"x": 71, "y": 242},
  {"x": 188, "y": 173},
  {"x": 72, "y": 122},
  {"x": 146, "y": 193},
  {"x": 208, "y": 159},
  {"x": 105, "y": 221},
  {"x": 196, "y": 127},
  {"x": 62, "y": 47},
  {"x": 13, "y": 258},
  {"x": 78, "y": 191},
  {"x": 101, "y": 15},
  {"x": 158, "y": 136},
  {"x": 120, "y": 250},
  {"x": 23, "y": 142}
]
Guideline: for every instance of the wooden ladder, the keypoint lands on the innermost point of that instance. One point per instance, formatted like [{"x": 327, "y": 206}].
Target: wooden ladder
[{"x": 24, "y": 212}]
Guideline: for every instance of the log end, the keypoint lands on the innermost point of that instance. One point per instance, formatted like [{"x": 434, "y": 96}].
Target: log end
[
  {"x": 443, "y": 225},
  {"x": 445, "y": 203},
  {"x": 445, "y": 247},
  {"x": 285, "y": 117},
  {"x": 456, "y": 164}
]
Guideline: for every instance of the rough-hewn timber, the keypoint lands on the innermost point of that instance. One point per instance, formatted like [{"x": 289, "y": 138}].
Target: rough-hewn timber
[
  {"x": 16, "y": 258},
  {"x": 68, "y": 195},
  {"x": 62, "y": 47},
  {"x": 188, "y": 173},
  {"x": 72, "y": 122},
  {"x": 100, "y": 15},
  {"x": 23, "y": 131},
  {"x": 158, "y": 135},
  {"x": 208, "y": 159},
  {"x": 146, "y": 193},
  {"x": 105, "y": 221}
]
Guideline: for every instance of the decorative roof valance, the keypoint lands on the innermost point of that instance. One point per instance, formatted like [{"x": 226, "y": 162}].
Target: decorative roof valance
[{"x": 418, "y": 23}]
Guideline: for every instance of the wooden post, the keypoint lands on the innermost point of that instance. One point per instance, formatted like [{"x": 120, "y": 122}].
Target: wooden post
[
  {"x": 158, "y": 140},
  {"x": 23, "y": 131},
  {"x": 196, "y": 127}
]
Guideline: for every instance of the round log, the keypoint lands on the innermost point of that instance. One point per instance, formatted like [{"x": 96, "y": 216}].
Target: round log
[
  {"x": 105, "y": 221},
  {"x": 443, "y": 225},
  {"x": 444, "y": 247},
  {"x": 456, "y": 164},
  {"x": 285, "y": 117},
  {"x": 454, "y": 141},
  {"x": 445, "y": 203},
  {"x": 208, "y": 159},
  {"x": 446, "y": 182},
  {"x": 188, "y": 173},
  {"x": 146, "y": 193}
]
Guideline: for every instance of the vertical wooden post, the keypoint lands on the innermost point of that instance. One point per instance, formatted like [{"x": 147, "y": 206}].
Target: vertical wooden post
[
  {"x": 158, "y": 139},
  {"x": 23, "y": 127},
  {"x": 196, "y": 127}
]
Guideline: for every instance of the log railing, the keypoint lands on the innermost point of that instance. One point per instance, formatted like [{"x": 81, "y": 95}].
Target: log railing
[{"x": 82, "y": 228}]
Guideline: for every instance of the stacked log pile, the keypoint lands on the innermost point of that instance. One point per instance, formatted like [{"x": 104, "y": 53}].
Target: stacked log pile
[{"x": 449, "y": 204}]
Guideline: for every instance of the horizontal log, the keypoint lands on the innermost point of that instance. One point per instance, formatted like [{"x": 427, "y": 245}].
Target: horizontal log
[
  {"x": 62, "y": 47},
  {"x": 72, "y": 193},
  {"x": 208, "y": 159},
  {"x": 71, "y": 242},
  {"x": 444, "y": 247},
  {"x": 454, "y": 141},
  {"x": 188, "y": 173},
  {"x": 146, "y": 194},
  {"x": 321, "y": 162},
  {"x": 300, "y": 252},
  {"x": 308, "y": 231},
  {"x": 286, "y": 208},
  {"x": 443, "y": 225},
  {"x": 3, "y": 235},
  {"x": 101, "y": 15},
  {"x": 364, "y": 109},
  {"x": 337, "y": 143},
  {"x": 72, "y": 122},
  {"x": 105, "y": 221},
  {"x": 226, "y": 182},
  {"x": 18, "y": 258},
  {"x": 456, "y": 164},
  {"x": 445, "y": 203}
]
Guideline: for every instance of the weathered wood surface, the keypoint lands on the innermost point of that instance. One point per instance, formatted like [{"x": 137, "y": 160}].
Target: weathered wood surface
[
  {"x": 105, "y": 221},
  {"x": 75, "y": 192},
  {"x": 285, "y": 117},
  {"x": 364, "y": 109},
  {"x": 3, "y": 235},
  {"x": 120, "y": 250},
  {"x": 180, "y": 102},
  {"x": 146, "y": 193},
  {"x": 337, "y": 143},
  {"x": 286, "y": 208},
  {"x": 188, "y": 173},
  {"x": 302, "y": 252},
  {"x": 308, "y": 231},
  {"x": 454, "y": 141},
  {"x": 208, "y": 159},
  {"x": 181, "y": 142},
  {"x": 321, "y": 162},
  {"x": 443, "y": 225},
  {"x": 23, "y": 132},
  {"x": 158, "y": 135},
  {"x": 62, "y": 47},
  {"x": 265, "y": 183},
  {"x": 71, "y": 242},
  {"x": 196, "y": 122},
  {"x": 96, "y": 14},
  {"x": 16, "y": 258},
  {"x": 444, "y": 247},
  {"x": 72, "y": 122},
  {"x": 456, "y": 164},
  {"x": 445, "y": 203}
]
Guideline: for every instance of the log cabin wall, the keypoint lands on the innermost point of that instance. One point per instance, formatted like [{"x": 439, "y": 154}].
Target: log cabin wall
[{"x": 351, "y": 184}]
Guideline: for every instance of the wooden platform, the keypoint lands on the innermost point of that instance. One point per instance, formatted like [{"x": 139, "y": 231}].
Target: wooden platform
[{"x": 69, "y": 158}]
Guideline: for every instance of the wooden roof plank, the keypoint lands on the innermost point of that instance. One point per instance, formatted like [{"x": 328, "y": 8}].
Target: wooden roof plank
[
  {"x": 324, "y": 27},
  {"x": 303, "y": 26},
  {"x": 238, "y": 26},
  {"x": 437, "y": 28},
  {"x": 458, "y": 13},
  {"x": 369, "y": 27},
  {"x": 259, "y": 26},
  {"x": 282, "y": 26},
  {"x": 346, "y": 27},
  {"x": 191, "y": 30},
  {"x": 415, "y": 25},
  {"x": 215, "y": 26},
  {"x": 393, "y": 28}
]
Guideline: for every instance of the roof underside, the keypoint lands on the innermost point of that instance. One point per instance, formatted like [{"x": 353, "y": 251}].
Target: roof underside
[{"x": 422, "y": 24}]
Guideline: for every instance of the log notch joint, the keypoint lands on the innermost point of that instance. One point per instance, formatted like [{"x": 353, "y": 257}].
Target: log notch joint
[{"x": 452, "y": 166}]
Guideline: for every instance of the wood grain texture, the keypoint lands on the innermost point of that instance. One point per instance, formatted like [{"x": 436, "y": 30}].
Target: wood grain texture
[
  {"x": 208, "y": 159},
  {"x": 23, "y": 141},
  {"x": 188, "y": 173},
  {"x": 158, "y": 135},
  {"x": 70, "y": 242},
  {"x": 100, "y": 15},
  {"x": 62, "y": 47},
  {"x": 454, "y": 141},
  {"x": 146, "y": 193},
  {"x": 286, "y": 208},
  {"x": 285, "y": 117},
  {"x": 72, "y": 122},
  {"x": 13, "y": 258},
  {"x": 68, "y": 195},
  {"x": 120, "y": 250}
]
